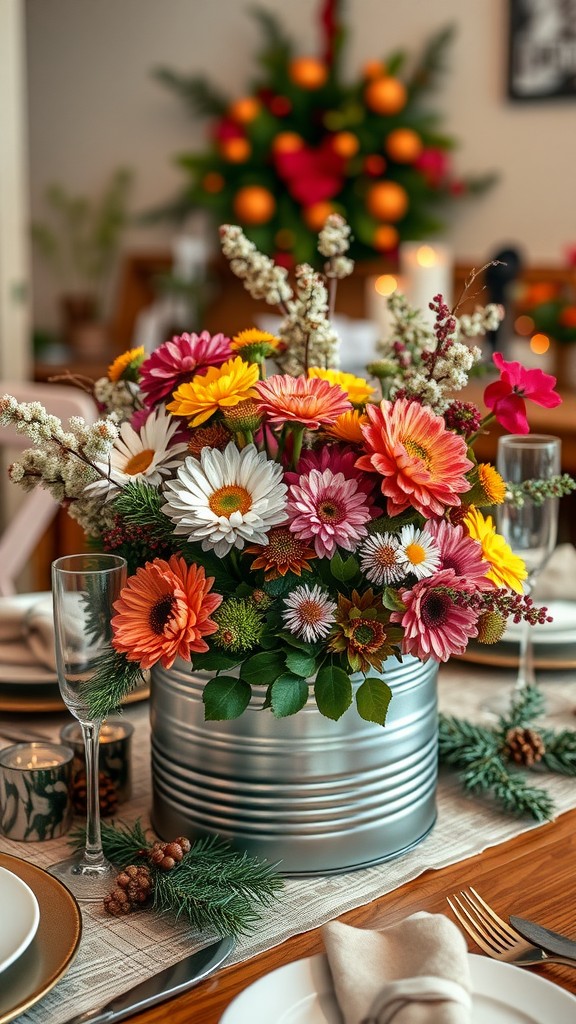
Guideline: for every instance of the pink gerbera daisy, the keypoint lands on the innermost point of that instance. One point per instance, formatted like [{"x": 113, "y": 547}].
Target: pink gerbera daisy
[
  {"x": 176, "y": 361},
  {"x": 312, "y": 403},
  {"x": 460, "y": 552},
  {"x": 422, "y": 464},
  {"x": 434, "y": 625},
  {"x": 329, "y": 510},
  {"x": 338, "y": 459}
]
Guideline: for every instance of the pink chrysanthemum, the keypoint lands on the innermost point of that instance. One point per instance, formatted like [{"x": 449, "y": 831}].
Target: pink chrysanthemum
[
  {"x": 506, "y": 396},
  {"x": 460, "y": 552},
  {"x": 422, "y": 464},
  {"x": 338, "y": 459},
  {"x": 434, "y": 625},
  {"x": 313, "y": 403},
  {"x": 329, "y": 510},
  {"x": 309, "y": 613},
  {"x": 176, "y": 361}
]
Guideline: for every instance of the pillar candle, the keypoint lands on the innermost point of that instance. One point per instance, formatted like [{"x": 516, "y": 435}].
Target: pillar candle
[
  {"x": 426, "y": 268},
  {"x": 378, "y": 291}
]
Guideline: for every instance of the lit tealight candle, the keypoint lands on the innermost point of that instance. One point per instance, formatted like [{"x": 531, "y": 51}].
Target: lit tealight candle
[
  {"x": 35, "y": 781},
  {"x": 113, "y": 752},
  {"x": 34, "y": 756},
  {"x": 427, "y": 270}
]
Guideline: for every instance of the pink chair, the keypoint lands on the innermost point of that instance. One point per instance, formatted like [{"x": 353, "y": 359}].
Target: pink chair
[{"x": 22, "y": 533}]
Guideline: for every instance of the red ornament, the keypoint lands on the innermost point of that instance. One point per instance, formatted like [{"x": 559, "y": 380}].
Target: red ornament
[
  {"x": 226, "y": 128},
  {"x": 375, "y": 165},
  {"x": 280, "y": 106},
  {"x": 433, "y": 164},
  {"x": 311, "y": 175}
]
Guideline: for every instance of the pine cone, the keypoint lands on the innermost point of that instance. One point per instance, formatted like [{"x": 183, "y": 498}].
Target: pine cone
[
  {"x": 167, "y": 855},
  {"x": 108, "y": 794},
  {"x": 117, "y": 902},
  {"x": 524, "y": 746},
  {"x": 136, "y": 881}
]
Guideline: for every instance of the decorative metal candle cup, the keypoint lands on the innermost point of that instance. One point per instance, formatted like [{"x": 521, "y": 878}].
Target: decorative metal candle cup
[
  {"x": 113, "y": 753},
  {"x": 35, "y": 790}
]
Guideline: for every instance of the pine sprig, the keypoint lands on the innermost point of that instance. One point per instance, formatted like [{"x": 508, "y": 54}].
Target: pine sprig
[
  {"x": 214, "y": 887},
  {"x": 114, "y": 679},
  {"x": 196, "y": 92},
  {"x": 560, "y": 752},
  {"x": 526, "y": 706}
]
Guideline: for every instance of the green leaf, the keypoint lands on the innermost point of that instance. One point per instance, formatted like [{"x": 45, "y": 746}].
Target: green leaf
[
  {"x": 225, "y": 697},
  {"x": 263, "y": 668},
  {"x": 214, "y": 661},
  {"x": 392, "y": 601},
  {"x": 296, "y": 641},
  {"x": 333, "y": 692},
  {"x": 300, "y": 663},
  {"x": 372, "y": 699},
  {"x": 288, "y": 694},
  {"x": 342, "y": 569}
]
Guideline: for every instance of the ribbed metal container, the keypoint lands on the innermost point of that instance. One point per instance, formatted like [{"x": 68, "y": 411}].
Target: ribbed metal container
[{"x": 317, "y": 795}]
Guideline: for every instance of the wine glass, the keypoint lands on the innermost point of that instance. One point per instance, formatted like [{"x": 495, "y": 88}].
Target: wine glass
[
  {"x": 84, "y": 589},
  {"x": 530, "y": 528}
]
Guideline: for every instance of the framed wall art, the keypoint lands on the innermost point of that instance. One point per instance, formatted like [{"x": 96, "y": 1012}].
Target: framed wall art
[{"x": 542, "y": 49}]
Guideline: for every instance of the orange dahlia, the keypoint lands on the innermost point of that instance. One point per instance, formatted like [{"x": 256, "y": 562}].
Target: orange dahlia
[
  {"x": 312, "y": 403},
  {"x": 422, "y": 464},
  {"x": 283, "y": 553},
  {"x": 163, "y": 613}
]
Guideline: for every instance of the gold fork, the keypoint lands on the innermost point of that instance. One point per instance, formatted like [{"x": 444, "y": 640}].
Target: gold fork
[{"x": 494, "y": 936}]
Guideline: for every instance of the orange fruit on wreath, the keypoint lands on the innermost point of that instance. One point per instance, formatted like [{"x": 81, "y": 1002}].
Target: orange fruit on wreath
[
  {"x": 254, "y": 204},
  {"x": 404, "y": 145},
  {"x": 386, "y": 237},
  {"x": 245, "y": 109},
  {"x": 387, "y": 200},
  {"x": 287, "y": 142},
  {"x": 235, "y": 150},
  {"x": 308, "y": 72},
  {"x": 345, "y": 144},
  {"x": 316, "y": 215},
  {"x": 385, "y": 95}
]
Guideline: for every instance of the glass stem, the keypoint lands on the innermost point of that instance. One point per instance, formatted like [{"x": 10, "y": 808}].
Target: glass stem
[
  {"x": 93, "y": 852},
  {"x": 526, "y": 674}
]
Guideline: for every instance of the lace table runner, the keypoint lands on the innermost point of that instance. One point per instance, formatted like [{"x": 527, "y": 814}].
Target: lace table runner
[{"x": 117, "y": 953}]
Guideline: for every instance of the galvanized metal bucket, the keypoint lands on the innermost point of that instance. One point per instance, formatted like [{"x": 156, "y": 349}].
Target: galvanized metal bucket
[{"x": 317, "y": 795}]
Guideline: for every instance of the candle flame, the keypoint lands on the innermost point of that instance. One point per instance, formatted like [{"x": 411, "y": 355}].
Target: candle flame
[
  {"x": 426, "y": 256},
  {"x": 386, "y": 284}
]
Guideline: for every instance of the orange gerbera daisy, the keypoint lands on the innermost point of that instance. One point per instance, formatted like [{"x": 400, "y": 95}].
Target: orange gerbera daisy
[
  {"x": 163, "y": 613},
  {"x": 219, "y": 388},
  {"x": 283, "y": 553},
  {"x": 348, "y": 426},
  {"x": 422, "y": 464},
  {"x": 126, "y": 366},
  {"x": 312, "y": 403}
]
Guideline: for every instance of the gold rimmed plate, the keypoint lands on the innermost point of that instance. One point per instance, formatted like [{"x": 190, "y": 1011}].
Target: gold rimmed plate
[
  {"x": 553, "y": 643},
  {"x": 40, "y": 698},
  {"x": 53, "y": 948}
]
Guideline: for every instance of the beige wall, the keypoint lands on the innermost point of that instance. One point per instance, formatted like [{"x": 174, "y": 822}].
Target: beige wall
[{"x": 94, "y": 105}]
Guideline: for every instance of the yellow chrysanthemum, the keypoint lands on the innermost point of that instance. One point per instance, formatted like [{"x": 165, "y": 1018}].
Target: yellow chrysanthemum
[
  {"x": 488, "y": 487},
  {"x": 357, "y": 389},
  {"x": 253, "y": 336},
  {"x": 508, "y": 570},
  {"x": 348, "y": 426},
  {"x": 219, "y": 388},
  {"x": 130, "y": 359}
]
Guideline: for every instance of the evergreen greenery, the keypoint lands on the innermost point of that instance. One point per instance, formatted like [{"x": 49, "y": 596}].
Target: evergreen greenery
[{"x": 479, "y": 756}]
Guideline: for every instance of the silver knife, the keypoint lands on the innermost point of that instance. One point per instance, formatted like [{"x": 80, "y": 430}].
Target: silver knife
[
  {"x": 550, "y": 942},
  {"x": 164, "y": 985}
]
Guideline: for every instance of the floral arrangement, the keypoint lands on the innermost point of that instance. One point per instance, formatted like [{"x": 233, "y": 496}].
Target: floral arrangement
[
  {"x": 302, "y": 143},
  {"x": 300, "y": 525}
]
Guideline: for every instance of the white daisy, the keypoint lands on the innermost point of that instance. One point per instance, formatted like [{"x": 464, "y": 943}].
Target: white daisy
[
  {"x": 227, "y": 498},
  {"x": 309, "y": 612},
  {"x": 420, "y": 550},
  {"x": 382, "y": 560},
  {"x": 146, "y": 455}
]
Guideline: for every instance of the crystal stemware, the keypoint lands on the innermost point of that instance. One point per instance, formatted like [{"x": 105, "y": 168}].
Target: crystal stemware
[
  {"x": 84, "y": 589},
  {"x": 531, "y": 527}
]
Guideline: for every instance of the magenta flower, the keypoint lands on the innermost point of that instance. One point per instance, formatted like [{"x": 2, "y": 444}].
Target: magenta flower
[
  {"x": 506, "y": 397},
  {"x": 328, "y": 510},
  {"x": 338, "y": 459},
  {"x": 460, "y": 552},
  {"x": 434, "y": 625},
  {"x": 177, "y": 361}
]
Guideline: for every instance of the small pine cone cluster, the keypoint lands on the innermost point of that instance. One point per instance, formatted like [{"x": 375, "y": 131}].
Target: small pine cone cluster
[
  {"x": 133, "y": 889},
  {"x": 524, "y": 746},
  {"x": 108, "y": 794},
  {"x": 167, "y": 855}
]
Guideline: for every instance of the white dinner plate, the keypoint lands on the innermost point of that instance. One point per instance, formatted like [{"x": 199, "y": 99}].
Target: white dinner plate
[
  {"x": 562, "y": 629},
  {"x": 302, "y": 993},
  {"x": 20, "y": 917}
]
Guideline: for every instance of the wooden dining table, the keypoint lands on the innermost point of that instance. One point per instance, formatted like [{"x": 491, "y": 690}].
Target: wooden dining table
[{"x": 533, "y": 875}]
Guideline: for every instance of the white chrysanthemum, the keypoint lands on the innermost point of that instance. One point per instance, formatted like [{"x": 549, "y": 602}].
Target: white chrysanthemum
[
  {"x": 227, "y": 498},
  {"x": 420, "y": 550},
  {"x": 309, "y": 612},
  {"x": 382, "y": 560},
  {"x": 145, "y": 455}
]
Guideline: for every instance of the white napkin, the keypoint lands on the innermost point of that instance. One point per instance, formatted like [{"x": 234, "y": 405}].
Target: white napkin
[
  {"x": 27, "y": 638},
  {"x": 557, "y": 581},
  {"x": 414, "y": 972}
]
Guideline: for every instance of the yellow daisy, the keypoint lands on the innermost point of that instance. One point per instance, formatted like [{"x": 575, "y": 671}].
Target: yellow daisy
[
  {"x": 219, "y": 388},
  {"x": 357, "y": 389},
  {"x": 129, "y": 361},
  {"x": 508, "y": 570},
  {"x": 253, "y": 336},
  {"x": 348, "y": 426},
  {"x": 488, "y": 487}
]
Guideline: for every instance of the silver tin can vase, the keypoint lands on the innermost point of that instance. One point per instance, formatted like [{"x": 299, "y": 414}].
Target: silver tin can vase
[{"x": 315, "y": 795}]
